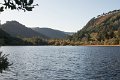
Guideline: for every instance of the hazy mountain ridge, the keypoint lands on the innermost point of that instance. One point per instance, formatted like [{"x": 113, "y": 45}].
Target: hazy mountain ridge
[
  {"x": 51, "y": 33},
  {"x": 69, "y": 33},
  {"x": 17, "y": 29}
]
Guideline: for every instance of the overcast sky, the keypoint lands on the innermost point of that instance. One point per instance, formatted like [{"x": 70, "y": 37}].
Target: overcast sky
[{"x": 65, "y": 15}]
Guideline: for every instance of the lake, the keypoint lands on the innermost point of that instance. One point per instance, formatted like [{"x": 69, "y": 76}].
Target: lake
[{"x": 62, "y": 63}]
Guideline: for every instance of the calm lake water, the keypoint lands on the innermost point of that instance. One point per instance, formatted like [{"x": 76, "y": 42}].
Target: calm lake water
[{"x": 62, "y": 63}]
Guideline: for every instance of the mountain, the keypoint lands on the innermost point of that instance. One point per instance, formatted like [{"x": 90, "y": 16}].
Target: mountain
[
  {"x": 3, "y": 37},
  {"x": 69, "y": 33},
  {"x": 103, "y": 29},
  {"x": 51, "y": 33},
  {"x": 16, "y": 29},
  {"x": 6, "y": 39}
]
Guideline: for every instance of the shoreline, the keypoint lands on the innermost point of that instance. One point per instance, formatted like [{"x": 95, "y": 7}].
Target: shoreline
[
  {"x": 102, "y": 45},
  {"x": 66, "y": 45}
]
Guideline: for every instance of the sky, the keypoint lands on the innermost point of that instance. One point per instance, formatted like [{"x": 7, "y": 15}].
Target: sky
[{"x": 64, "y": 15}]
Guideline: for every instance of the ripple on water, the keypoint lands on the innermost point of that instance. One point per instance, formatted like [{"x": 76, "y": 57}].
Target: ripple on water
[{"x": 62, "y": 63}]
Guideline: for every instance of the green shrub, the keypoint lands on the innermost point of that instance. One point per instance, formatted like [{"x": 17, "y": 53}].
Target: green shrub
[{"x": 4, "y": 63}]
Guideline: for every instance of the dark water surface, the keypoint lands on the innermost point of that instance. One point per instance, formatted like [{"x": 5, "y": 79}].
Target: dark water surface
[{"x": 62, "y": 63}]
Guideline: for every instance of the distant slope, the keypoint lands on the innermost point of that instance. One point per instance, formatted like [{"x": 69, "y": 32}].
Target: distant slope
[
  {"x": 69, "y": 33},
  {"x": 16, "y": 29},
  {"x": 51, "y": 33},
  {"x": 103, "y": 29},
  {"x": 6, "y": 39}
]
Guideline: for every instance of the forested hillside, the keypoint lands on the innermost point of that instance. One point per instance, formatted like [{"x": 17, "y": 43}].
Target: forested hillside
[
  {"x": 6, "y": 39},
  {"x": 51, "y": 33},
  {"x": 103, "y": 29},
  {"x": 17, "y": 29}
]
